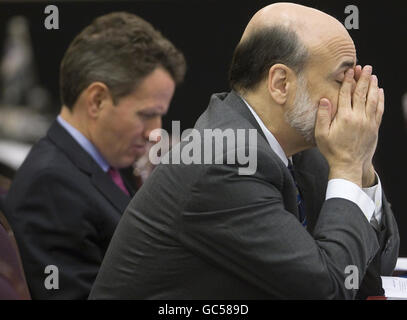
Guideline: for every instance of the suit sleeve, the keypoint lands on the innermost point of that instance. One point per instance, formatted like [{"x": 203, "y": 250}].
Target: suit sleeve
[
  {"x": 389, "y": 240},
  {"x": 249, "y": 232},
  {"x": 52, "y": 228},
  {"x": 385, "y": 260}
]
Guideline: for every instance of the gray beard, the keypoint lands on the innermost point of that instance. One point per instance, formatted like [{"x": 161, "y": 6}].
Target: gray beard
[{"x": 303, "y": 115}]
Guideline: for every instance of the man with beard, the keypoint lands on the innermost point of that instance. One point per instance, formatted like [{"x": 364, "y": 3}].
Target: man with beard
[{"x": 311, "y": 216}]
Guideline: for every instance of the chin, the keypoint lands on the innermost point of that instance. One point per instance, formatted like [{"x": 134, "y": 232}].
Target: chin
[{"x": 125, "y": 163}]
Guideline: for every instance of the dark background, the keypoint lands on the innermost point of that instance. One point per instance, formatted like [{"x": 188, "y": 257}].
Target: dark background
[{"x": 208, "y": 31}]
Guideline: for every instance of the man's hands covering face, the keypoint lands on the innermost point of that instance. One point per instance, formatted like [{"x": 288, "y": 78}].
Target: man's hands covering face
[{"x": 349, "y": 140}]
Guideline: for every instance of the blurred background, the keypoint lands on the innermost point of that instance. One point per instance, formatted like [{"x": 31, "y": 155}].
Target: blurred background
[{"x": 207, "y": 33}]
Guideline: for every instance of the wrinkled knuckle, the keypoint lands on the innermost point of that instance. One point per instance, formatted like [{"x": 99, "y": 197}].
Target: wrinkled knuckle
[
  {"x": 343, "y": 94},
  {"x": 360, "y": 98},
  {"x": 347, "y": 118},
  {"x": 374, "y": 100}
]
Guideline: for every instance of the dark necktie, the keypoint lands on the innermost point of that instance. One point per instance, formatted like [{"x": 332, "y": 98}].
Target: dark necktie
[
  {"x": 300, "y": 201},
  {"x": 117, "y": 179}
]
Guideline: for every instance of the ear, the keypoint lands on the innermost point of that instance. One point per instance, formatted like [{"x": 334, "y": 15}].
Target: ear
[
  {"x": 280, "y": 81},
  {"x": 97, "y": 97}
]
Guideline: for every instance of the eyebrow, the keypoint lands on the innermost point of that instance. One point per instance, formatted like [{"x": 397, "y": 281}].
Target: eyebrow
[
  {"x": 155, "y": 111},
  {"x": 347, "y": 64}
]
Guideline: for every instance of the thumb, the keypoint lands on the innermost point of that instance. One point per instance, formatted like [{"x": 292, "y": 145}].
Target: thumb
[{"x": 323, "y": 120}]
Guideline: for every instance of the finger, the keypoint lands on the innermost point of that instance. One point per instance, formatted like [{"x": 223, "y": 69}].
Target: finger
[
  {"x": 362, "y": 87},
  {"x": 345, "y": 93},
  {"x": 380, "y": 107},
  {"x": 358, "y": 72},
  {"x": 323, "y": 120},
  {"x": 372, "y": 98}
]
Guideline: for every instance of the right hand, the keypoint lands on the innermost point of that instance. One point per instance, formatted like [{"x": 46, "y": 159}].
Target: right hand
[{"x": 350, "y": 137}]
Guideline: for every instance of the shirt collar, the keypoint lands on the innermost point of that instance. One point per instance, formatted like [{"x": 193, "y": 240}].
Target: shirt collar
[
  {"x": 84, "y": 143},
  {"x": 275, "y": 146}
]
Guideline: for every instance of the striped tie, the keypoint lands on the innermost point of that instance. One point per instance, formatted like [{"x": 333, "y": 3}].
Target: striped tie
[{"x": 300, "y": 201}]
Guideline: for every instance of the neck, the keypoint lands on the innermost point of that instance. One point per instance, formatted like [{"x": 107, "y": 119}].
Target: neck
[
  {"x": 273, "y": 118},
  {"x": 75, "y": 120}
]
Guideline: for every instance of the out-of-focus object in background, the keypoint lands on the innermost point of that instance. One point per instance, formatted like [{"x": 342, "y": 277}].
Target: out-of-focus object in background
[
  {"x": 23, "y": 101},
  {"x": 404, "y": 104},
  {"x": 22, "y": 125},
  {"x": 18, "y": 73},
  {"x": 143, "y": 166},
  {"x": 13, "y": 285},
  {"x": 12, "y": 153},
  {"x": 401, "y": 268}
]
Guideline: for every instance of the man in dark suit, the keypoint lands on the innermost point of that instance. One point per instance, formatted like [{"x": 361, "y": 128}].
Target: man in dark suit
[
  {"x": 117, "y": 79},
  {"x": 308, "y": 223}
]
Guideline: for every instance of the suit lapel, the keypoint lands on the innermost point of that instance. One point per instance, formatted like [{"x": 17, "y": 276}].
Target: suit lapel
[
  {"x": 309, "y": 166},
  {"x": 84, "y": 162},
  {"x": 289, "y": 189},
  {"x": 104, "y": 183}
]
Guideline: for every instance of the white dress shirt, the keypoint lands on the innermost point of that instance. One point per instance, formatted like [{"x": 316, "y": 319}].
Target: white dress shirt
[{"x": 369, "y": 200}]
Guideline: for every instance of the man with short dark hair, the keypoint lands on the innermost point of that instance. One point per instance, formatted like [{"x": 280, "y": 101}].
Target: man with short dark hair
[
  {"x": 309, "y": 223},
  {"x": 117, "y": 79}
]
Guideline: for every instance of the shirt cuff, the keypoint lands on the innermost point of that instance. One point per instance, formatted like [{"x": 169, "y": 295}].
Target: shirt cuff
[
  {"x": 375, "y": 193},
  {"x": 341, "y": 188}
]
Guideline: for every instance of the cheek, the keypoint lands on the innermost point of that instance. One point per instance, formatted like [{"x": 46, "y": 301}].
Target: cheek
[
  {"x": 332, "y": 95},
  {"x": 131, "y": 130},
  {"x": 105, "y": 128},
  {"x": 137, "y": 126},
  {"x": 128, "y": 124}
]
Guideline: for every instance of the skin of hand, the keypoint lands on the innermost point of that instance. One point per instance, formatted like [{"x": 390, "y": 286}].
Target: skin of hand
[
  {"x": 369, "y": 174},
  {"x": 349, "y": 140}
]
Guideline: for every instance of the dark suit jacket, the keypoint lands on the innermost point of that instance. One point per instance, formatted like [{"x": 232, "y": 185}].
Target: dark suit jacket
[
  {"x": 63, "y": 210},
  {"x": 205, "y": 232}
]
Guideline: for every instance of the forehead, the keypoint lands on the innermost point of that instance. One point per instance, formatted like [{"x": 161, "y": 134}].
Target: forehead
[
  {"x": 333, "y": 53},
  {"x": 153, "y": 92},
  {"x": 158, "y": 84}
]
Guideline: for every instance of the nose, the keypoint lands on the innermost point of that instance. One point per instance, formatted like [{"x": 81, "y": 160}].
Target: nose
[{"x": 151, "y": 125}]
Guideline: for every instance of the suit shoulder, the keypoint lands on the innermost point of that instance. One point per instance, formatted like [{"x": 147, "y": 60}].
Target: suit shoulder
[
  {"x": 45, "y": 164},
  {"x": 45, "y": 157}
]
